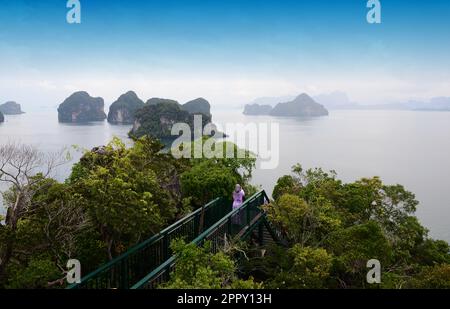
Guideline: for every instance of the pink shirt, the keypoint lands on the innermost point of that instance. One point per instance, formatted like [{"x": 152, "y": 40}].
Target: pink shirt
[{"x": 238, "y": 198}]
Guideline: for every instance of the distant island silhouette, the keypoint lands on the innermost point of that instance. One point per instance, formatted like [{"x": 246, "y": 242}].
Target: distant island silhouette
[{"x": 302, "y": 106}]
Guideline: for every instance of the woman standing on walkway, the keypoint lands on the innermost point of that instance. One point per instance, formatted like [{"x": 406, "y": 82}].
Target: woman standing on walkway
[{"x": 238, "y": 200}]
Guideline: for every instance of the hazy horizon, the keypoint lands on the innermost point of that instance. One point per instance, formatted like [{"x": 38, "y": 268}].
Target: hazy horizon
[
  {"x": 329, "y": 100},
  {"x": 228, "y": 52}
]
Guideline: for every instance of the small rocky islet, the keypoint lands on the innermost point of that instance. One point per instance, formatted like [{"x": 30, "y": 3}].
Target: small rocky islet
[
  {"x": 11, "y": 108},
  {"x": 257, "y": 110},
  {"x": 302, "y": 106}
]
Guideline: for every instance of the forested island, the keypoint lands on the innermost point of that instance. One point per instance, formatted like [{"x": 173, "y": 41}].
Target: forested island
[
  {"x": 116, "y": 197},
  {"x": 124, "y": 109},
  {"x": 158, "y": 116},
  {"x": 155, "y": 117},
  {"x": 80, "y": 107}
]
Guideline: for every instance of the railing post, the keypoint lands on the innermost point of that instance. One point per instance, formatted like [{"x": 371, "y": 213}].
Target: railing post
[
  {"x": 261, "y": 234},
  {"x": 123, "y": 274},
  {"x": 165, "y": 246},
  {"x": 248, "y": 214}
]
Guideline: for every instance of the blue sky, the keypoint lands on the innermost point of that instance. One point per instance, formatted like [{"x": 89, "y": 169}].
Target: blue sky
[{"x": 228, "y": 51}]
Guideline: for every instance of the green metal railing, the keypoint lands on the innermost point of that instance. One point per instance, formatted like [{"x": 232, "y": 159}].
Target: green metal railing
[
  {"x": 130, "y": 267},
  {"x": 237, "y": 223}
]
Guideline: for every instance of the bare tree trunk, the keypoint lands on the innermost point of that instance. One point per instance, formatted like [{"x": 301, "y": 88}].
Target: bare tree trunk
[
  {"x": 110, "y": 244},
  {"x": 18, "y": 165},
  {"x": 106, "y": 237}
]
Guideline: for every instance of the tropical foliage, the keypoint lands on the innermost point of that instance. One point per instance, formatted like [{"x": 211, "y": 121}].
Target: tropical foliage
[
  {"x": 198, "y": 268},
  {"x": 335, "y": 228},
  {"x": 117, "y": 196}
]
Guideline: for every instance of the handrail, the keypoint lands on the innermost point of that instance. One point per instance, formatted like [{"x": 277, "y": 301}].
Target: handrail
[
  {"x": 206, "y": 233},
  {"x": 164, "y": 268},
  {"x": 123, "y": 258}
]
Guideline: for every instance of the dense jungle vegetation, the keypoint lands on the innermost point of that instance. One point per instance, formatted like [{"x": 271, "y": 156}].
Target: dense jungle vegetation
[{"x": 117, "y": 196}]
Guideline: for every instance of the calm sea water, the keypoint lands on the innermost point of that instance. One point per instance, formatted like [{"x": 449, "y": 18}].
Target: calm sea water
[{"x": 410, "y": 148}]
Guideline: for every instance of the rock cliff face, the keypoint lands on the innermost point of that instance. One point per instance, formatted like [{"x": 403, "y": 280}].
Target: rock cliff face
[
  {"x": 256, "y": 109},
  {"x": 123, "y": 110},
  {"x": 197, "y": 106},
  {"x": 11, "y": 108},
  {"x": 301, "y": 106},
  {"x": 81, "y": 107},
  {"x": 158, "y": 119},
  {"x": 2, "y": 118}
]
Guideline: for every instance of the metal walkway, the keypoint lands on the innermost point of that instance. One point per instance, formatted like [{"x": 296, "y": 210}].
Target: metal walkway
[{"x": 149, "y": 264}]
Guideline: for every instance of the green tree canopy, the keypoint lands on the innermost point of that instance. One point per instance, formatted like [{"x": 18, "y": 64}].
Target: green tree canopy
[
  {"x": 125, "y": 192},
  {"x": 199, "y": 268}
]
